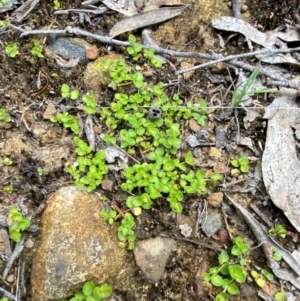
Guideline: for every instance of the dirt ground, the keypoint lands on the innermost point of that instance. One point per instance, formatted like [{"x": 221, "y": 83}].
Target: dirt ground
[{"x": 19, "y": 96}]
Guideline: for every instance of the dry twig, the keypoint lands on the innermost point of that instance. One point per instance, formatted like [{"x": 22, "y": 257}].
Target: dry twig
[{"x": 231, "y": 60}]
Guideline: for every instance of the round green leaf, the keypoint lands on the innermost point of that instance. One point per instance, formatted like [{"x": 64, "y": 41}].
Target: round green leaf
[
  {"x": 244, "y": 168},
  {"x": 90, "y": 298},
  {"x": 232, "y": 289},
  {"x": 217, "y": 280},
  {"x": 222, "y": 297},
  {"x": 23, "y": 224},
  {"x": 260, "y": 282},
  {"x": 103, "y": 291},
  {"x": 15, "y": 235},
  {"x": 237, "y": 273},
  {"x": 88, "y": 288},
  {"x": 223, "y": 257}
]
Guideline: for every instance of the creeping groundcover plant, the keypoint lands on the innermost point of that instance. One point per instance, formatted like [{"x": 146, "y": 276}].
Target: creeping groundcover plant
[{"x": 147, "y": 124}]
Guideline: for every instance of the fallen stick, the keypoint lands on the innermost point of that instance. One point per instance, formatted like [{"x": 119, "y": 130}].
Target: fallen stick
[{"x": 158, "y": 50}]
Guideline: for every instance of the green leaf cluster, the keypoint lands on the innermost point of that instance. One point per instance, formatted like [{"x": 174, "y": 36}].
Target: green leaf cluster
[
  {"x": 7, "y": 161},
  {"x": 90, "y": 103},
  {"x": 4, "y": 116},
  {"x": 89, "y": 168},
  {"x": 67, "y": 93},
  {"x": 164, "y": 177},
  {"x": 126, "y": 234},
  {"x": 260, "y": 278},
  {"x": 8, "y": 188},
  {"x": 91, "y": 292},
  {"x": 134, "y": 49},
  {"x": 19, "y": 224},
  {"x": 56, "y": 4},
  {"x": 36, "y": 50},
  {"x": 228, "y": 274},
  {"x": 109, "y": 216},
  {"x": 68, "y": 121},
  {"x": 12, "y": 50},
  {"x": 3, "y": 24},
  {"x": 241, "y": 163},
  {"x": 278, "y": 231}
]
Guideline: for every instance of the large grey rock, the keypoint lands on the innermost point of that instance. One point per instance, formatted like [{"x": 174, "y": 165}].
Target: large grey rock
[{"x": 76, "y": 245}]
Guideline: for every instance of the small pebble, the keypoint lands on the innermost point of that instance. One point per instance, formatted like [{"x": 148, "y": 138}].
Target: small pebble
[
  {"x": 10, "y": 278},
  {"x": 235, "y": 172},
  {"x": 244, "y": 8},
  {"x": 223, "y": 235}
]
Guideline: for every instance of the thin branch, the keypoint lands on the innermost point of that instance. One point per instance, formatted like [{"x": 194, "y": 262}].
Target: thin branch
[
  {"x": 7, "y": 294},
  {"x": 172, "y": 53},
  {"x": 237, "y": 56},
  {"x": 236, "y": 8},
  {"x": 91, "y": 11}
]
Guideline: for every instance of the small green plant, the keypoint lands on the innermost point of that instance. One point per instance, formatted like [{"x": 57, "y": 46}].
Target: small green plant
[
  {"x": 19, "y": 224},
  {"x": 8, "y": 188},
  {"x": 109, "y": 216},
  {"x": 68, "y": 121},
  {"x": 90, "y": 103},
  {"x": 91, "y": 292},
  {"x": 233, "y": 274},
  {"x": 36, "y": 50},
  {"x": 240, "y": 94},
  {"x": 4, "y": 299},
  {"x": 260, "y": 278},
  {"x": 56, "y": 4},
  {"x": 89, "y": 168},
  {"x": 126, "y": 233},
  {"x": 3, "y": 2},
  {"x": 241, "y": 163},
  {"x": 7, "y": 161},
  {"x": 40, "y": 171},
  {"x": 280, "y": 296},
  {"x": 278, "y": 231},
  {"x": 276, "y": 255},
  {"x": 215, "y": 178},
  {"x": 152, "y": 60},
  {"x": 67, "y": 93},
  {"x": 134, "y": 48},
  {"x": 3, "y": 23},
  {"x": 12, "y": 50},
  {"x": 4, "y": 116}
]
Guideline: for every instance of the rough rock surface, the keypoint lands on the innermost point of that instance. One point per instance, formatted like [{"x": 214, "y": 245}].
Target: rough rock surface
[
  {"x": 94, "y": 78},
  {"x": 151, "y": 256},
  {"x": 215, "y": 199},
  {"x": 211, "y": 224},
  {"x": 76, "y": 245}
]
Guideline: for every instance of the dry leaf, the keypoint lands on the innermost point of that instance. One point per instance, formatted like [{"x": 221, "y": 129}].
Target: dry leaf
[{"x": 145, "y": 18}]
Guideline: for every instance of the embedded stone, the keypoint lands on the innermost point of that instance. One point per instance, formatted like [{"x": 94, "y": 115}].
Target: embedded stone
[{"x": 76, "y": 245}]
